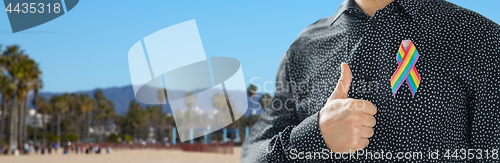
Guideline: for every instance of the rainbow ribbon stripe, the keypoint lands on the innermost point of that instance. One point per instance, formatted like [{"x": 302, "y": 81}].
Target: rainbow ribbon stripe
[{"x": 407, "y": 58}]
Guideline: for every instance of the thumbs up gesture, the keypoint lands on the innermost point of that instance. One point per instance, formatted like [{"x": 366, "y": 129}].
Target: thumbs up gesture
[{"x": 346, "y": 123}]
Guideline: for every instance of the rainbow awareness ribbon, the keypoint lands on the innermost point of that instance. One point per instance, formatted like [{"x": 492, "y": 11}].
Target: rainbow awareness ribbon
[{"x": 407, "y": 58}]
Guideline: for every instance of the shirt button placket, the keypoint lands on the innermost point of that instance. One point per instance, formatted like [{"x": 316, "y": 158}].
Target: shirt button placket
[
  {"x": 371, "y": 39},
  {"x": 373, "y": 23}
]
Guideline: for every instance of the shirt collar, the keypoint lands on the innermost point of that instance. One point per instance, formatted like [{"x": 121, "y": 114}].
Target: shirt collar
[{"x": 410, "y": 6}]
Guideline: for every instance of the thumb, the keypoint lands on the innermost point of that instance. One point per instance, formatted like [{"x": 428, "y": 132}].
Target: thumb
[{"x": 344, "y": 83}]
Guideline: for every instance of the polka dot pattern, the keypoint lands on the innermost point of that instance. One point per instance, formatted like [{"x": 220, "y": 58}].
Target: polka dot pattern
[{"x": 456, "y": 105}]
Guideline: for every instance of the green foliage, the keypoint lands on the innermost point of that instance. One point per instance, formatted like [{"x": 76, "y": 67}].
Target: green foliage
[
  {"x": 252, "y": 90},
  {"x": 70, "y": 137},
  {"x": 135, "y": 119},
  {"x": 51, "y": 137},
  {"x": 31, "y": 132},
  {"x": 128, "y": 138},
  {"x": 112, "y": 138}
]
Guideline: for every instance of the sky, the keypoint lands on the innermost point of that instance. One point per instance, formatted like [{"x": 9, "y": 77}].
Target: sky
[{"x": 87, "y": 48}]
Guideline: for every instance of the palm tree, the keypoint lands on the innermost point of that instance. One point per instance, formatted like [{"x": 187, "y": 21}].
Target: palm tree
[
  {"x": 135, "y": 117},
  {"x": 18, "y": 75},
  {"x": 105, "y": 111},
  {"x": 188, "y": 120},
  {"x": 11, "y": 64},
  {"x": 162, "y": 97},
  {"x": 80, "y": 112},
  {"x": 103, "y": 116},
  {"x": 2, "y": 108},
  {"x": 86, "y": 105},
  {"x": 60, "y": 106},
  {"x": 37, "y": 85},
  {"x": 22, "y": 74},
  {"x": 100, "y": 100},
  {"x": 6, "y": 90},
  {"x": 69, "y": 117},
  {"x": 251, "y": 91},
  {"x": 29, "y": 80},
  {"x": 265, "y": 100},
  {"x": 219, "y": 102},
  {"x": 100, "y": 113},
  {"x": 4, "y": 81},
  {"x": 109, "y": 113},
  {"x": 45, "y": 109},
  {"x": 152, "y": 115}
]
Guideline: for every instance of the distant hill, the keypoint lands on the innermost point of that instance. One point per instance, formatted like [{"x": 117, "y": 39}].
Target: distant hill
[{"x": 121, "y": 97}]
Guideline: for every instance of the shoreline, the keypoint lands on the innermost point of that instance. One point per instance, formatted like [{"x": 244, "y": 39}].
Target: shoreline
[{"x": 128, "y": 156}]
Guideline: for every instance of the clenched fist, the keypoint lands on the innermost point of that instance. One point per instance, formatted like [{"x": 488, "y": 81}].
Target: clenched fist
[{"x": 346, "y": 124}]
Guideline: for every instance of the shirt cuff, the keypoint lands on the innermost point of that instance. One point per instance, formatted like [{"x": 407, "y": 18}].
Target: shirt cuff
[{"x": 306, "y": 137}]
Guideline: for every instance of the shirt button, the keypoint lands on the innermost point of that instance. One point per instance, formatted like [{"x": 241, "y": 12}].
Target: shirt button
[{"x": 374, "y": 23}]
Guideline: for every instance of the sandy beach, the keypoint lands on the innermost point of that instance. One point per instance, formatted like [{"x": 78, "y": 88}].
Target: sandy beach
[{"x": 129, "y": 156}]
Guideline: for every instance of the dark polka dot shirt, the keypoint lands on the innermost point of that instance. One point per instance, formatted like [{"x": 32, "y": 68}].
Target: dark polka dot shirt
[{"x": 452, "y": 117}]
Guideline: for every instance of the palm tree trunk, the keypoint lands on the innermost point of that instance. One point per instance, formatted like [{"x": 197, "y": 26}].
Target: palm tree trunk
[
  {"x": 58, "y": 129},
  {"x": 102, "y": 131},
  {"x": 53, "y": 124},
  {"x": 3, "y": 117},
  {"x": 13, "y": 125},
  {"x": 89, "y": 116},
  {"x": 83, "y": 126},
  {"x": 22, "y": 123},
  {"x": 22, "y": 119},
  {"x": 26, "y": 114},
  {"x": 44, "y": 139},
  {"x": 97, "y": 130},
  {"x": 35, "y": 133},
  {"x": 161, "y": 123},
  {"x": 77, "y": 126},
  {"x": 35, "y": 126},
  {"x": 135, "y": 134}
]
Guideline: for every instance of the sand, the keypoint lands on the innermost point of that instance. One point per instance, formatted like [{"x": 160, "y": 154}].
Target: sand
[{"x": 129, "y": 156}]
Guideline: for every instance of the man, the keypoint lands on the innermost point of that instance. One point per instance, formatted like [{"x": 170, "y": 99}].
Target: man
[{"x": 421, "y": 84}]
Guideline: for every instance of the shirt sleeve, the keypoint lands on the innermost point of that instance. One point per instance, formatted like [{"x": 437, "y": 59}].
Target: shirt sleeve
[{"x": 279, "y": 135}]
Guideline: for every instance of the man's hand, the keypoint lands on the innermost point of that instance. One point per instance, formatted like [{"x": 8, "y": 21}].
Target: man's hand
[{"x": 346, "y": 124}]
